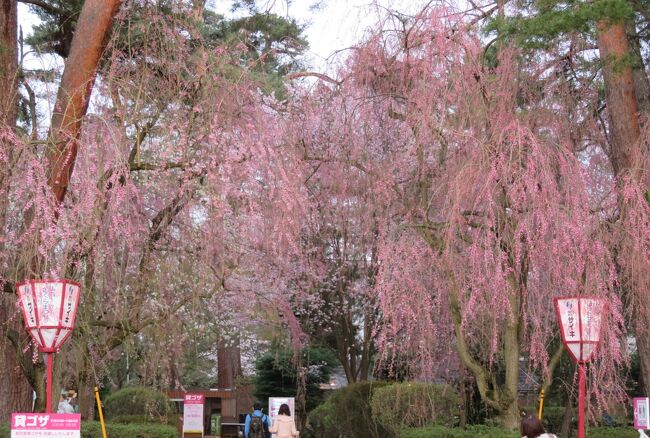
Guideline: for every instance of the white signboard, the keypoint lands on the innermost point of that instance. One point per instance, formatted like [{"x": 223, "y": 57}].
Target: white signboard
[
  {"x": 276, "y": 402},
  {"x": 641, "y": 413},
  {"x": 580, "y": 321},
  {"x": 193, "y": 413},
  {"x": 46, "y": 425}
]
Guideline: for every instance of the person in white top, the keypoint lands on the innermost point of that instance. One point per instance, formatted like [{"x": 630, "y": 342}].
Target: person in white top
[
  {"x": 64, "y": 406},
  {"x": 283, "y": 425},
  {"x": 531, "y": 427}
]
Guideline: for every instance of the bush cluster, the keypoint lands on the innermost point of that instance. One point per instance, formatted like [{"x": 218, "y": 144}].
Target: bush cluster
[
  {"x": 347, "y": 412},
  {"x": 476, "y": 431},
  {"x": 481, "y": 431},
  {"x": 93, "y": 429},
  {"x": 382, "y": 409},
  {"x": 404, "y": 405},
  {"x": 138, "y": 402}
]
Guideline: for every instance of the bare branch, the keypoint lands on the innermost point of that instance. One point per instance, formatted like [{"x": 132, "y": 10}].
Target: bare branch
[
  {"x": 42, "y": 4},
  {"x": 320, "y": 76}
]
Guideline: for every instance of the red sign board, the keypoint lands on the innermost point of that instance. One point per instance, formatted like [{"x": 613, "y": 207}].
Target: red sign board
[
  {"x": 193, "y": 413},
  {"x": 45, "y": 425}
]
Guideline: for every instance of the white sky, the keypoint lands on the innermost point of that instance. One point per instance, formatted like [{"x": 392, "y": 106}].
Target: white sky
[{"x": 332, "y": 25}]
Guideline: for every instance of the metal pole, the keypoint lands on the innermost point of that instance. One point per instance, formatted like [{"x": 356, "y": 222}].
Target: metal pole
[
  {"x": 101, "y": 414},
  {"x": 581, "y": 400},
  {"x": 48, "y": 383},
  {"x": 541, "y": 404}
]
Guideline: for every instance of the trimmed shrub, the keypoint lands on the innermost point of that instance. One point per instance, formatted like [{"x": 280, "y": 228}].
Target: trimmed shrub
[
  {"x": 347, "y": 412},
  {"x": 93, "y": 429},
  {"x": 481, "y": 431},
  {"x": 552, "y": 416},
  {"x": 138, "y": 401},
  {"x": 404, "y": 405},
  {"x": 611, "y": 432},
  {"x": 143, "y": 419},
  {"x": 476, "y": 431}
]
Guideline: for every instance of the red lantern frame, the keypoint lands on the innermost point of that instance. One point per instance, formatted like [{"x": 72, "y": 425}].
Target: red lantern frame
[
  {"x": 49, "y": 329},
  {"x": 592, "y": 340}
]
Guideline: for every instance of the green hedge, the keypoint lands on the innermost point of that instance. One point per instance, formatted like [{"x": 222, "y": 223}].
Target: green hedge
[
  {"x": 552, "y": 415},
  {"x": 413, "y": 404},
  {"x": 611, "y": 432},
  {"x": 138, "y": 401},
  {"x": 347, "y": 412},
  {"x": 476, "y": 431},
  {"x": 93, "y": 429},
  {"x": 143, "y": 419},
  {"x": 480, "y": 431}
]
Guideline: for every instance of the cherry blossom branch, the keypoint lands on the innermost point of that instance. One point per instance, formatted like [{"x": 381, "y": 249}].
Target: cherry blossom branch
[{"x": 136, "y": 167}]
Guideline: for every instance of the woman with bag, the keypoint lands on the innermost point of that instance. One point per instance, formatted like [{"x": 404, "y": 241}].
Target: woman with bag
[{"x": 283, "y": 425}]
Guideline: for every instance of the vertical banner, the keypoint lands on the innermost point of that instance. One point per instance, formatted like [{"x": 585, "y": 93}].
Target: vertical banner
[
  {"x": 46, "y": 425},
  {"x": 641, "y": 413},
  {"x": 274, "y": 406},
  {"x": 193, "y": 413}
]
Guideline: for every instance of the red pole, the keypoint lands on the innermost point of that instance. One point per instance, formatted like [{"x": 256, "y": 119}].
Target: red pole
[
  {"x": 48, "y": 390},
  {"x": 582, "y": 390}
]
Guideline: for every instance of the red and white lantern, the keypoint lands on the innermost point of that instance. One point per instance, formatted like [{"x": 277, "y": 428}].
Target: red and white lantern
[
  {"x": 49, "y": 308},
  {"x": 580, "y": 324}
]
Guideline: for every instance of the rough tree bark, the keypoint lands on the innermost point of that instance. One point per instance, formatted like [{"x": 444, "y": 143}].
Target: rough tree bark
[
  {"x": 620, "y": 95},
  {"x": 93, "y": 29},
  {"x": 626, "y": 151},
  {"x": 228, "y": 363},
  {"x": 16, "y": 396}
]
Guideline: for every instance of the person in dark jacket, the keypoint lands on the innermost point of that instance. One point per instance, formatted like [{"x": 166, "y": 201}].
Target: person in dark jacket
[{"x": 257, "y": 412}]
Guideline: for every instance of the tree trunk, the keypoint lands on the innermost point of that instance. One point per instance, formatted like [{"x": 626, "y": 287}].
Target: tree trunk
[
  {"x": 626, "y": 155},
  {"x": 567, "y": 419},
  {"x": 620, "y": 95},
  {"x": 228, "y": 364},
  {"x": 17, "y": 396},
  {"x": 86, "y": 392},
  {"x": 8, "y": 63},
  {"x": 641, "y": 82},
  {"x": 502, "y": 397},
  {"x": 93, "y": 29},
  {"x": 17, "y": 393},
  {"x": 510, "y": 406}
]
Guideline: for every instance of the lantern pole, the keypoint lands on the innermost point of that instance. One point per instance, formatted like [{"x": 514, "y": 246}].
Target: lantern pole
[
  {"x": 49, "y": 308},
  {"x": 48, "y": 390},
  {"x": 582, "y": 390},
  {"x": 580, "y": 324}
]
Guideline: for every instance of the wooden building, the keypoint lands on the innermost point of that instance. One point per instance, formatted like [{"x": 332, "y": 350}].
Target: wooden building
[{"x": 231, "y": 404}]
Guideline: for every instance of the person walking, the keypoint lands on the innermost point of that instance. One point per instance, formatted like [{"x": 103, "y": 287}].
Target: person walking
[
  {"x": 531, "y": 427},
  {"x": 283, "y": 425},
  {"x": 256, "y": 424}
]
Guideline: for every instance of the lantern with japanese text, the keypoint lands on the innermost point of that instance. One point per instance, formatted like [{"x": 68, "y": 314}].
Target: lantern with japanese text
[
  {"x": 49, "y": 308},
  {"x": 580, "y": 324}
]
